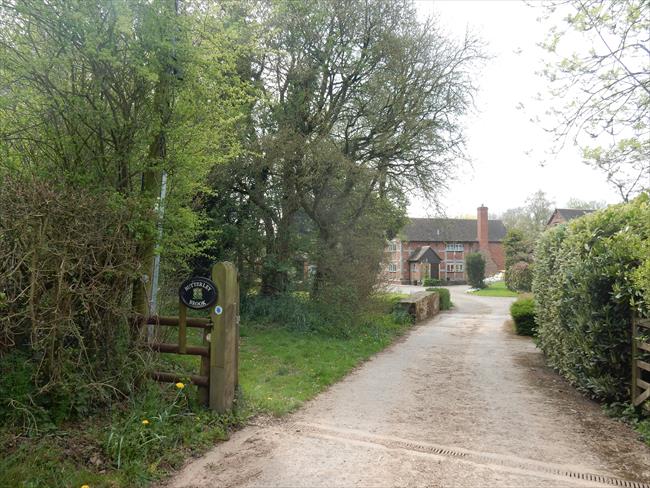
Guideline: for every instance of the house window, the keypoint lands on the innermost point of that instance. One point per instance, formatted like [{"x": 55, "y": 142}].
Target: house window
[
  {"x": 392, "y": 246},
  {"x": 455, "y": 267},
  {"x": 392, "y": 267},
  {"x": 455, "y": 247}
]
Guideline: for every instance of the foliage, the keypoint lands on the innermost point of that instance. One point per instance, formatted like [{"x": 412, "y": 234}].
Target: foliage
[
  {"x": 529, "y": 219},
  {"x": 140, "y": 441},
  {"x": 102, "y": 99},
  {"x": 523, "y": 315},
  {"x": 602, "y": 90},
  {"x": 280, "y": 369},
  {"x": 66, "y": 263},
  {"x": 520, "y": 277},
  {"x": 518, "y": 249},
  {"x": 588, "y": 281},
  {"x": 475, "y": 266},
  {"x": 497, "y": 289},
  {"x": 431, "y": 282},
  {"x": 445, "y": 297},
  {"x": 579, "y": 204},
  {"x": 352, "y": 117}
]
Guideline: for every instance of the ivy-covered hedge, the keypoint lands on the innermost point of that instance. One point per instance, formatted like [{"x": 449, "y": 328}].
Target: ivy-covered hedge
[{"x": 590, "y": 276}]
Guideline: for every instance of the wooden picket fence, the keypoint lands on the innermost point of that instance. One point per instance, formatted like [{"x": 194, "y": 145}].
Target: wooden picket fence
[{"x": 640, "y": 388}]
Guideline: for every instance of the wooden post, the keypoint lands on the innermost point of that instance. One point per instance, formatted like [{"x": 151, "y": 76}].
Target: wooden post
[
  {"x": 635, "y": 371},
  {"x": 182, "y": 328},
  {"x": 223, "y": 339}
]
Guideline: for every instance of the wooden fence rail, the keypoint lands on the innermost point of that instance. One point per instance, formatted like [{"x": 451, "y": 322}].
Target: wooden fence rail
[
  {"x": 218, "y": 375},
  {"x": 640, "y": 389}
]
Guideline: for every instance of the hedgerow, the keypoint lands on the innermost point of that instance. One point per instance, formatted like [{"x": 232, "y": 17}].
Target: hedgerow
[{"x": 590, "y": 277}]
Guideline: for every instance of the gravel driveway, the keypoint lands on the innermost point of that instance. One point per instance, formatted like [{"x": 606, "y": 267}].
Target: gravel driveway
[{"x": 460, "y": 402}]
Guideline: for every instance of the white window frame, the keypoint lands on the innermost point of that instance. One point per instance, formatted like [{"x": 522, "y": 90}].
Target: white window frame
[
  {"x": 392, "y": 268},
  {"x": 455, "y": 267},
  {"x": 455, "y": 247},
  {"x": 392, "y": 246}
]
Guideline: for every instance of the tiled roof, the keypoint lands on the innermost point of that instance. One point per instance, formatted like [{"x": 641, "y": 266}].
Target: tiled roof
[
  {"x": 572, "y": 213},
  {"x": 419, "y": 253},
  {"x": 450, "y": 230}
]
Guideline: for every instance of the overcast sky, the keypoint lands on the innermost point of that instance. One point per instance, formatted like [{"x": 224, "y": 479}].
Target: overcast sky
[{"x": 506, "y": 149}]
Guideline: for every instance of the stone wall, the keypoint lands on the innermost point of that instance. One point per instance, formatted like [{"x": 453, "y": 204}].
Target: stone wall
[{"x": 422, "y": 305}]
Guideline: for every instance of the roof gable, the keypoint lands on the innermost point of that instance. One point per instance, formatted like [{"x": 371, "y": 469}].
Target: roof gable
[
  {"x": 450, "y": 230},
  {"x": 426, "y": 254},
  {"x": 568, "y": 213}
]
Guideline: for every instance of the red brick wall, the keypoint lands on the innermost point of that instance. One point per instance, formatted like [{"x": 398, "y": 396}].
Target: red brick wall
[
  {"x": 498, "y": 255},
  {"x": 556, "y": 219},
  {"x": 495, "y": 250}
]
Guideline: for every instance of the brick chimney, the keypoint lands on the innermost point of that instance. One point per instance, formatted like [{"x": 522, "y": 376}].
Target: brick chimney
[{"x": 482, "y": 228}]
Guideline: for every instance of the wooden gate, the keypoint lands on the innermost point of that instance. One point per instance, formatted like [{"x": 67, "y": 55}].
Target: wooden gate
[
  {"x": 218, "y": 375},
  {"x": 640, "y": 388}
]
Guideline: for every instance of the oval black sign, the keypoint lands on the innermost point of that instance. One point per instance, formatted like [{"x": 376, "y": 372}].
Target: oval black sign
[{"x": 198, "y": 293}]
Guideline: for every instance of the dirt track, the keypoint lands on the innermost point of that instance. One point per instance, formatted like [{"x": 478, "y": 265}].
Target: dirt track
[{"x": 461, "y": 402}]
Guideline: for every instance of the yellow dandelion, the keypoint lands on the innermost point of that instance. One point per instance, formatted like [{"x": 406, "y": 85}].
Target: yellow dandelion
[
  {"x": 180, "y": 386},
  {"x": 144, "y": 422},
  {"x": 85, "y": 486}
]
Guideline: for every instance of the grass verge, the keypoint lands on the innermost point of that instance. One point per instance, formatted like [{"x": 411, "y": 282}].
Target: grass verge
[
  {"x": 497, "y": 289},
  {"x": 148, "y": 436}
]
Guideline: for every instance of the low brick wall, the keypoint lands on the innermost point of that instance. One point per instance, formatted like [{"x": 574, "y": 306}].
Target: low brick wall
[{"x": 421, "y": 305}]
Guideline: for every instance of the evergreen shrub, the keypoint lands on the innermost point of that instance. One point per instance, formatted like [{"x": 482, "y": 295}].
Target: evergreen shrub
[
  {"x": 523, "y": 315},
  {"x": 475, "y": 265},
  {"x": 590, "y": 278},
  {"x": 520, "y": 277}
]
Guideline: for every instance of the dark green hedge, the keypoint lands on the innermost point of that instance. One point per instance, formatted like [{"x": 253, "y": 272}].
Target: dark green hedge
[
  {"x": 475, "y": 267},
  {"x": 523, "y": 315},
  {"x": 445, "y": 297},
  {"x": 590, "y": 276}
]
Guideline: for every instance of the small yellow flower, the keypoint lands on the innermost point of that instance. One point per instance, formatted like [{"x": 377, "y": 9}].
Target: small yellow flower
[
  {"x": 85, "y": 486},
  {"x": 144, "y": 422},
  {"x": 180, "y": 386}
]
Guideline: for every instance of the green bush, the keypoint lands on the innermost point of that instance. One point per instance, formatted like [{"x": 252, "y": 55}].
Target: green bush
[
  {"x": 475, "y": 265},
  {"x": 588, "y": 282},
  {"x": 445, "y": 297},
  {"x": 518, "y": 249},
  {"x": 523, "y": 315},
  {"x": 431, "y": 282},
  {"x": 520, "y": 277}
]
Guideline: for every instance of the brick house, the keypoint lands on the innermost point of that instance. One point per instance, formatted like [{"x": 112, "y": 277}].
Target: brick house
[
  {"x": 562, "y": 215},
  {"x": 436, "y": 248}
]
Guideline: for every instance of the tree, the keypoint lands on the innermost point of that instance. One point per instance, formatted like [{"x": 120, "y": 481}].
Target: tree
[
  {"x": 603, "y": 90},
  {"x": 532, "y": 217},
  {"x": 475, "y": 265},
  {"x": 585, "y": 205},
  {"x": 359, "y": 105},
  {"x": 110, "y": 96}
]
